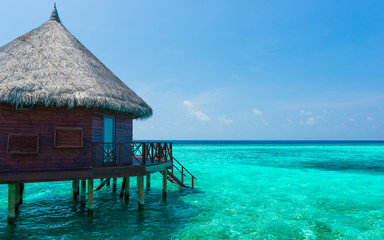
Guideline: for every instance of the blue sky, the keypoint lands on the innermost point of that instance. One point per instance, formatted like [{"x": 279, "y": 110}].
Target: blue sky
[{"x": 262, "y": 70}]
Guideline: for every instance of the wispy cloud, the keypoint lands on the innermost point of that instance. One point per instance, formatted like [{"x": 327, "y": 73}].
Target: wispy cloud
[
  {"x": 309, "y": 118},
  {"x": 201, "y": 116},
  {"x": 257, "y": 112},
  {"x": 226, "y": 120},
  {"x": 305, "y": 113},
  {"x": 351, "y": 119},
  {"x": 187, "y": 104},
  {"x": 358, "y": 100},
  {"x": 370, "y": 119}
]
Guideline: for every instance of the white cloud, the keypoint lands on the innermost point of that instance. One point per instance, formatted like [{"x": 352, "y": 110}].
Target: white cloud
[
  {"x": 224, "y": 119},
  {"x": 370, "y": 119},
  {"x": 257, "y": 112},
  {"x": 304, "y": 113},
  {"x": 201, "y": 116},
  {"x": 187, "y": 104},
  {"x": 352, "y": 120},
  {"x": 311, "y": 120}
]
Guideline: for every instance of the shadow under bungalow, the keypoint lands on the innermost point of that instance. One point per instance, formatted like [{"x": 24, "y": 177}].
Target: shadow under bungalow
[{"x": 65, "y": 116}]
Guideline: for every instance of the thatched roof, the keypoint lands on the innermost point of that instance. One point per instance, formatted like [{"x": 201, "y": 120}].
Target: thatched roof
[{"x": 49, "y": 66}]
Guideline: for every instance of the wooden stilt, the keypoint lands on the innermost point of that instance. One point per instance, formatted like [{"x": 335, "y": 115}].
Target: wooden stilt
[
  {"x": 122, "y": 187},
  {"x": 21, "y": 193},
  {"x": 126, "y": 190},
  {"x": 75, "y": 188},
  {"x": 109, "y": 182},
  {"x": 165, "y": 174},
  {"x": 140, "y": 190},
  {"x": 82, "y": 193},
  {"x": 17, "y": 197},
  {"x": 90, "y": 197},
  {"x": 11, "y": 203},
  {"x": 149, "y": 181},
  {"x": 114, "y": 185}
]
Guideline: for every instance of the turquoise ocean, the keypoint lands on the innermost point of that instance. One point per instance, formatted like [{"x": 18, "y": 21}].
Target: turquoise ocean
[{"x": 244, "y": 190}]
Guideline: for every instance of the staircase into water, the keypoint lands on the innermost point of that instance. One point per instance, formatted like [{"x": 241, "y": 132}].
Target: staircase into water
[{"x": 179, "y": 170}]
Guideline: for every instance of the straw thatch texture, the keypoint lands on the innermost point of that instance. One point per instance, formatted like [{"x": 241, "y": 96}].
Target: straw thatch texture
[{"x": 49, "y": 66}]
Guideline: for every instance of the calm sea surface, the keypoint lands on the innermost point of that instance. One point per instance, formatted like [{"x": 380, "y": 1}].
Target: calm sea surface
[{"x": 245, "y": 190}]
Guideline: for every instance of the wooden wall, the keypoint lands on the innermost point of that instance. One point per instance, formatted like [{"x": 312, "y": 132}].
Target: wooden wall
[
  {"x": 123, "y": 134},
  {"x": 42, "y": 121}
]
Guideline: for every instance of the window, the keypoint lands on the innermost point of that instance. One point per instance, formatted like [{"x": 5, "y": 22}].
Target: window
[
  {"x": 23, "y": 143},
  {"x": 68, "y": 137}
]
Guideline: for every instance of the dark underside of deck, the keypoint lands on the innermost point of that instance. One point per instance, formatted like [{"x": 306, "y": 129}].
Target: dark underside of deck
[{"x": 91, "y": 173}]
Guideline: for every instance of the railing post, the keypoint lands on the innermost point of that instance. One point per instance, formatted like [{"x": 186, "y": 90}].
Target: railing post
[
  {"x": 170, "y": 151},
  {"x": 160, "y": 152},
  {"x": 182, "y": 175},
  {"x": 143, "y": 153}
]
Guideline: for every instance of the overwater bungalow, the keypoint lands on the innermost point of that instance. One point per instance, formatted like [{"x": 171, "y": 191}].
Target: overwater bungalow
[{"x": 65, "y": 116}]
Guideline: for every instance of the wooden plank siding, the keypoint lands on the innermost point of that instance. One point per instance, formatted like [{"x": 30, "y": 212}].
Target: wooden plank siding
[
  {"x": 42, "y": 121},
  {"x": 124, "y": 134},
  {"x": 55, "y": 164},
  {"x": 97, "y": 136}
]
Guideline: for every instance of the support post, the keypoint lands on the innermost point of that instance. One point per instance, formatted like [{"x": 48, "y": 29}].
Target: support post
[
  {"x": 82, "y": 193},
  {"x": 122, "y": 187},
  {"x": 11, "y": 203},
  {"x": 114, "y": 185},
  {"x": 21, "y": 195},
  {"x": 126, "y": 190},
  {"x": 75, "y": 189},
  {"x": 17, "y": 197},
  {"x": 90, "y": 197},
  {"x": 149, "y": 181},
  {"x": 165, "y": 174},
  {"x": 140, "y": 190}
]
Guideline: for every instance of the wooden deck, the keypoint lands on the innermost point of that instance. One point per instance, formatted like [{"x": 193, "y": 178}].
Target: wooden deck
[
  {"x": 112, "y": 160},
  {"x": 135, "y": 169}
]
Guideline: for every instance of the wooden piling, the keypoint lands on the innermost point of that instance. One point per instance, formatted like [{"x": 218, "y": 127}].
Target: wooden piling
[
  {"x": 11, "y": 203},
  {"x": 149, "y": 181},
  {"x": 82, "y": 193},
  {"x": 165, "y": 181},
  {"x": 126, "y": 190},
  {"x": 90, "y": 197},
  {"x": 140, "y": 190},
  {"x": 122, "y": 187},
  {"x": 75, "y": 189},
  {"x": 78, "y": 187},
  {"x": 114, "y": 185},
  {"x": 17, "y": 197},
  {"x": 21, "y": 193}
]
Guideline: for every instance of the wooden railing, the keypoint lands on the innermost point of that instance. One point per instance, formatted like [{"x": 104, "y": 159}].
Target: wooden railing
[
  {"x": 131, "y": 153},
  {"x": 178, "y": 167}
]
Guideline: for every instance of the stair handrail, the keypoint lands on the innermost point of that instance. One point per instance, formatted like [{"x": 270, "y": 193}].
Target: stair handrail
[{"x": 182, "y": 172}]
